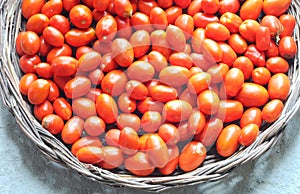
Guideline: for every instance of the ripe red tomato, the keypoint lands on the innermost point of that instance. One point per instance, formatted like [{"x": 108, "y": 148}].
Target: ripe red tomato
[
  {"x": 275, "y": 8},
  {"x": 192, "y": 156},
  {"x": 252, "y": 95},
  {"x": 53, "y": 123},
  {"x": 151, "y": 121},
  {"x": 289, "y": 22},
  {"x": 129, "y": 141},
  {"x": 128, "y": 120},
  {"x": 140, "y": 42},
  {"x": 81, "y": 16},
  {"x": 145, "y": 6},
  {"x": 182, "y": 3},
  {"x": 149, "y": 104},
  {"x": 186, "y": 23},
  {"x": 94, "y": 126},
  {"x": 141, "y": 71},
  {"x": 229, "y": 55},
  {"x": 77, "y": 87},
  {"x": 251, "y": 9},
  {"x": 263, "y": 38},
  {"x": 210, "y": 6},
  {"x": 106, "y": 28},
  {"x": 251, "y": 116},
  {"x": 136, "y": 90},
  {"x": 199, "y": 82},
  {"x": 123, "y": 8},
  {"x": 83, "y": 107},
  {"x": 139, "y": 164},
  {"x": 176, "y": 38},
  {"x": 112, "y": 137},
  {"x": 72, "y": 130},
  {"x": 177, "y": 110},
  {"x": 287, "y": 47},
  {"x": 42, "y": 110},
  {"x": 238, "y": 43},
  {"x": 62, "y": 108},
  {"x": 230, "y": 110},
  {"x": 126, "y": 104},
  {"x": 272, "y": 111},
  {"x": 31, "y": 7},
  {"x": 90, "y": 154},
  {"x": 53, "y": 36},
  {"x": 230, "y": 6},
  {"x": 231, "y": 21},
  {"x": 37, "y": 23},
  {"x": 53, "y": 7},
  {"x": 169, "y": 133},
  {"x": 217, "y": 31},
  {"x": 245, "y": 65},
  {"x": 38, "y": 91},
  {"x": 279, "y": 86},
  {"x": 196, "y": 122},
  {"x": 228, "y": 141},
  {"x": 233, "y": 81},
  {"x": 202, "y": 19},
  {"x": 114, "y": 82},
  {"x": 106, "y": 108},
  {"x": 212, "y": 50},
  {"x": 26, "y": 81},
  {"x": 274, "y": 25},
  {"x": 173, "y": 161},
  {"x": 30, "y": 43},
  {"x": 248, "y": 134},
  {"x": 277, "y": 65},
  {"x": 122, "y": 52},
  {"x": 113, "y": 157},
  {"x": 173, "y": 13},
  {"x": 261, "y": 75},
  {"x": 158, "y": 18},
  {"x": 85, "y": 141}
]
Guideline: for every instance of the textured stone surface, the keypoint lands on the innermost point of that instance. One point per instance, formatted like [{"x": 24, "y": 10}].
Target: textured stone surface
[{"x": 23, "y": 169}]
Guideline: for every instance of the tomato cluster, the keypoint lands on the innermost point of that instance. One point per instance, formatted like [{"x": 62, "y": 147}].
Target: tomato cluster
[{"x": 155, "y": 84}]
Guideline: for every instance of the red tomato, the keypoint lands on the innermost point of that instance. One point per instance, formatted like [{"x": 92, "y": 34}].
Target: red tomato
[
  {"x": 248, "y": 29},
  {"x": 151, "y": 121},
  {"x": 113, "y": 157},
  {"x": 53, "y": 123},
  {"x": 202, "y": 19},
  {"x": 186, "y": 23},
  {"x": 232, "y": 6},
  {"x": 106, "y": 28},
  {"x": 82, "y": 50},
  {"x": 157, "y": 150},
  {"x": 169, "y": 133},
  {"x": 272, "y": 111},
  {"x": 64, "y": 50},
  {"x": 80, "y": 37},
  {"x": 114, "y": 82},
  {"x": 211, "y": 131},
  {"x": 181, "y": 59},
  {"x": 233, "y": 81},
  {"x": 192, "y": 156},
  {"x": 44, "y": 70},
  {"x": 252, "y": 95},
  {"x": 158, "y": 18},
  {"x": 279, "y": 86},
  {"x": 90, "y": 154},
  {"x": 42, "y": 110},
  {"x": 160, "y": 42},
  {"x": 273, "y": 50},
  {"x": 72, "y": 130},
  {"x": 108, "y": 63},
  {"x": 261, "y": 75},
  {"x": 139, "y": 164},
  {"x": 208, "y": 102},
  {"x": 177, "y": 110},
  {"x": 85, "y": 141},
  {"x": 77, "y": 87},
  {"x": 174, "y": 75},
  {"x": 163, "y": 93},
  {"x": 237, "y": 43},
  {"x": 112, "y": 137},
  {"x": 257, "y": 57},
  {"x": 231, "y": 21},
  {"x": 251, "y": 116},
  {"x": 274, "y": 25},
  {"x": 157, "y": 60},
  {"x": 37, "y": 23},
  {"x": 196, "y": 122},
  {"x": 248, "y": 134},
  {"x": 199, "y": 82},
  {"x": 228, "y": 141},
  {"x": 124, "y": 27},
  {"x": 176, "y": 38},
  {"x": 141, "y": 71},
  {"x": 251, "y": 9},
  {"x": 31, "y": 7},
  {"x": 83, "y": 107},
  {"x": 194, "y": 7},
  {"x": 275, "y": 8},
  {"x": 53, "y": 7},
  {"x": 81, "y": 16},
  {"x": 128, "y": 120},
  {"x": 212, "y": 50},
  {"x": 210, "y": 6},
  {"x": 126, "y": 104},
  {"x": 141, "y": 21},
  {"x": 218, "y": 72},
  {"x": 123, "y": 8},
  {"x": 263, "y": 38},
  {"x": 68, "y": 4},
  {"x": 217, "y": 31},
  {"x": 230, "y": 110},
  {"x": 229, "y": 55},
  {"x": 62, "y": 108},
  {"x": 289, "y": 22},
  {"x": 101, "y": 5},
  {"x": 136, "y": 90},
  {"x": 38, "y": 91},
  {"x": 129, "y": 141},
  {"x": 145, "y": 6},
  {"x": 106, "y": 108},
  {"x": 277, "y": 65},
  {"x": 26, "y": 81},
  {"x": 94, "y": 126},
  {"x": 173, "y": 161},
  {"x": 173, "y": 13},
  {"x": 53, "y": 36},
  {"x": 182, "y": 3},
  {"x": 140, "y": 42},
  {"x": 245, "y": 65},
  {"x": 30, "y": 43},
  {"x": 287, "y": 47},
  {"x": 149, "y": 104},
  {"x": 122, "y": 52}
]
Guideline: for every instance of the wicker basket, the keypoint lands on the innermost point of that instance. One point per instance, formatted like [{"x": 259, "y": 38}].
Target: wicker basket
[{"x": 214, "y": 168}]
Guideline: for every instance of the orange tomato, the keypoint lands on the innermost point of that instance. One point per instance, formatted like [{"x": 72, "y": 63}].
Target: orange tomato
[
  {"x": 231, "y": 21},
  {"x": 231, "y": 6},
  {"x": 37, "y": 23},
  {"x": 177, "y": 110},
  {"x": 81, "y": 16},
  {"x": 261, "y": 75},
  {"x": 90, "y": 154},
  {"x": 158, "y": 18},
  {"x": 85, "y": 141},
  {"x": 30, "y": 43},
  {"x": 140, "y": 42},
  {"x": 248, "y": 134},
  {"x": 53, "y": 123},
  {"x": 38, "y": 91},
  {"x": 114, "y": 82},
  {"x": 106, "y": 28},
  {"x": 251, "y": 9},
  {"x": 136, "y": 90},
  {"x": 80, "y": 37},
  {"x": 174, "y": 75},
  {"x": 230, "y": 110},
  {"x": 217, "y": 31},
  {"x": 289, "y": 22},
  {"x": 245, "y": 65},
  {"x": 251, "y": 116},
  {"x": 122, "y": 52},
  {"x": 77, "y": 87},
  {"x": 139, "y": 164},
  {"x": 210, "y": 6},
  {"x": 277, "y": 65},
  {"x": 128, "y": 120},
  {"x": 228, "y": 141},
  {"x": 202, "y": 19},
  {"x": 52, "y": 7},
  {"x": 252, "y": 95},
  {"x": 199, "y": 82},
  {"x": 169, "y": 133},
  {"x": 287, "y": 47},
  {"x": 53, "y": 36},
  {"x": 31, "y": 7},
  {"x": 229, "y": 55},
  {"x": 145, "y": 6},
  {"x": 129, "y": 141},
  {"x": 176, "y": 38},
  {"x": 272, "y": 110},
  {"x": 141, "y": 71},
  {"x": 212, "y": 50},
  {"x": 279, "y": 86},
  {"x": 275, "y": 8},
  {"x": 208, "y": 102},
  {"x": 62, "y": 108},
  {"x": 233, "y": 81},
  {"x": 25, "y": 81},
  {"x": 173, "y": 161},
  {"x": 123, "y": 8},
  {"x": 106, "y": 108},
  {"x": 238, "y": 43},
  {"x": 263, "y": 38},
  {"x": 83, "y": 107},
  {"x": 196, "y": 122},
  {"x": 186, "y": 23},
  {"x": 72, "y": 130},
  {"x": 113, "y": 157}
]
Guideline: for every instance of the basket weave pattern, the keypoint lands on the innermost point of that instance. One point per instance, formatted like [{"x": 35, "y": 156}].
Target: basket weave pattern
[{"x": 214, "y": 167}]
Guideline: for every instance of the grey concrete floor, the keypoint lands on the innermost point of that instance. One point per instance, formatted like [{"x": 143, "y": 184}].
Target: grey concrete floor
[{"x": 23, "y": 169}]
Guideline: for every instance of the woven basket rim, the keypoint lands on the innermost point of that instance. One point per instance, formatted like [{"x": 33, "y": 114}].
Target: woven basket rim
[{"x": 213, "y": 168}]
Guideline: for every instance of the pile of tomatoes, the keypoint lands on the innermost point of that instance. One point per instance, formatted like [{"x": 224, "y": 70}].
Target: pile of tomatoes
[{"x": 146, "y": 85}]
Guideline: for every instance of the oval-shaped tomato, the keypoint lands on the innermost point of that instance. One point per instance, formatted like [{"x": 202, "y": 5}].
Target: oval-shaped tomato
[
  {"x": 182, "y": 3},
  {"x": 139, "y": 164},
  {"x": 77, "y": 87},
  {"x": 257, "y": 57},
  {"x": 157, "y": 60},
  {"x": 196, "y": 122},
  {"x": 175, "y": 38},
  {"x": 169, "y": 133},
  {"x": 181, "y": 59},
  {"x": 277, "y": 65},
  {"x": 217, "y": 31},
  {"x": 38, "y": 91},
  {"x": 85, "y": 141},
  {"x": 263, "y": 38},
  {"x": 124, "y": 27},
  {"x": 42, "y": 110},
  {"x": 113, "y": 157},
  {"x": 208, "y": 102},
  {"x": 145, "y": 6},
  {"x": 94, "y": 125},
  {"x": 140, "y": 42},
  {"x": 279, "y": 86},
  {"x": 251, "y": 9},
  {"x": 231, "y": 21},
  {"x": 112, "y": 137},
  {"x": 128, "y": 120},
  {"x": 159, "y": 41},
  {"x": 248, "y": 29},
  {"x": 44, "y": 70},
  {"x": 114, "y": 82},
  {"x": 174, "y": 75},
  {"x": 141, "y": 71},
  {"x": 106, "y": 28},
  {"x": 202, "y": 19},
  {"x": 186, "y": 23},
  {"x": 261, "y": 75},
  {"x": 31, "y": 7},
  {"x": 248, "y": 134},
  {"x": 126, "y": 104},
  {"x": 158, "y": 18},
  {"x": 129, "y": 141},
  {"x": 230, "y": 6},
  {"x": 122, "y": 52},
  {"x": 106, "y": 108},
  {"x": 163, "y": 93},
  {"x": 72, "y": 130},
  {"x": 252, "y": 95},
  {"x": 37, "y": 23},
  {"x": 210, "y": 6},
  {"x": 62, "y": 108},
  {"x": 26, "y": 81},
  {"x": 212, "y": 50},
  {"x": 251, "y": 116},
  {"x": 80, "y": 37},
  {"x": 173, "y": 161},
  {"x": 233, "y": 81},
  {"x": 230, "y": 110},
  {"x": 275, "y": 8},
  {"x": 90, "y": 154},
  {"x": 60, "y": 22},
  {"x": 173, "y": 13},
  {"x": 141, "y": 21},
  {"x": 229, "y": 55},
  {"x": 289, "y": 22},
  {"x": 274, "y": 25},
  {"x": 83, "y": 107},
  {"x": 272, "y": 110},
  {"x": 194, "y": 7},
  {"x": 149, "y": 104},
  {"x": 151, "y": 121},
  {"x": 237, "y": 43},
  {"x": 123, "y": 8},
  {"x": 228, "y": 141},
  {"x": 189, "y": 97},
  {"x": 192, "y": 156},
  {"x": 53, "y": 7},
  {"x": 53, "y": 36},
  {"x": 245, "y": 65},
  {"x": 68, "y": 4},
  {"x": 199, "y": 82},
  {"x": 287, "y": 47},
  {"x": 81, "y": 16},
  {"x": 136, "y": 90},
  {"x": 30, "y": 43},
  {"x": 177, "y": 110},
  {"x": 108, "y": 63},
  {"x": 53, "y": 123}
]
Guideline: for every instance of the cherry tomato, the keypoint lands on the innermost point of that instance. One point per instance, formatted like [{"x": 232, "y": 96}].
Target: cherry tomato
[
  {"x": 77, "y": 87},
  {"x": 26, "y": 81},
  {"x": 123, "y": 8},
  {"x": 251, "y": 9},
  {"x": 53, "y": 36},
  {"x": 140, "y": 41},
  {"x": 169, "y": 133},
  {"x": 83, "y": 107},
  {"x": 44, "y": 70},
  {"x": 279, "y": 86},
  {"x": 210, "y": 6},
  {"x": 228, "y": 141},
  {"x": 37, "y": 23},
  {"x": 62, "y": 108},
  {"x": 106, "y": 108},
  {"x": 287, "y": 47},
  {"x": 212, "y": 50},
  {"x": 252, "y": 95},
  {"x": 42, "y": 110},
  {"x": 113, "y": 157},
  {"x": 289, "y": 22},
  {"x": 248, "y": 134},
  {"x": 31, "y": 7},
  {"x": 272, "y": 111},
  {"x": 64, "y": 50},
  {"x": 181, "y": 59},
  {"x": 139, "y": 164},
  {"x": 261, "y": 75},
  {"x": 94, "y": 126},
  {"x": 196, "y": 122},
  {"x": 173, "y": 13},
  {"x": 129, "y": 141},
  {"x": 53, "y": 123},
  {"x": 85, "y": 141},
  {"x": 251, "y": 116},
  {"x": 72, "y": 130},
  {"x": 275, "y": 8},
  {"x": 163, "y": 93},
  {"x": 128, "y": 120},
  {"x": 233, "y": 81},
  {"x": 90, "y": 154},
  {"x": 217, "y": 31},
  {"x": 38, "y": 91},
  {"x": 80, "y": 37},
  {"x": 231, "y": 21},
  {"x": 82, "y": 50},
  {"x": 158, "y": 18},
  {"x": 192, "y": 156}
]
